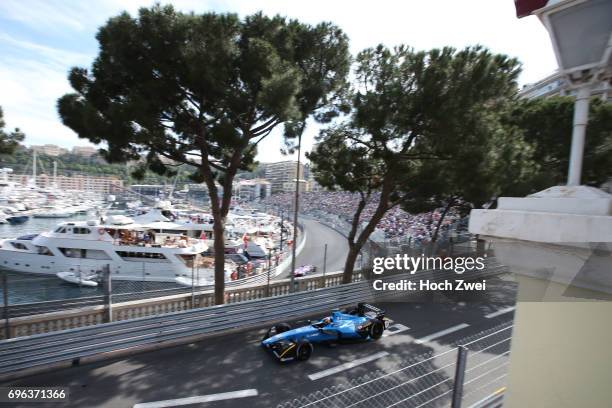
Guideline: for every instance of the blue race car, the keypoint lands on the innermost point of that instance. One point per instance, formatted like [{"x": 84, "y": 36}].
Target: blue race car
[{"x": 365, "y": 322}]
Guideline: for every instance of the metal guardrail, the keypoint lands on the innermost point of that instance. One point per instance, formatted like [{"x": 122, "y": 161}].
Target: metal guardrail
[{"x": 71, "y": 345}]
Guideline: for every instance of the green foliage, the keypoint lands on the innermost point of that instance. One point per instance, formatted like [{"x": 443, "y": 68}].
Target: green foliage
[
  {"x": 497, "y": 161},
  {"x": 546, "y": 124},
  {"x": 204, "y": 90},
  {"x": 413, "y": 111},
  {"x": 418, "y": 125},
  {"x": 199, "y": 88},
  {"x": 69, "y": 164},
  {"x": 9, "y": 141}
]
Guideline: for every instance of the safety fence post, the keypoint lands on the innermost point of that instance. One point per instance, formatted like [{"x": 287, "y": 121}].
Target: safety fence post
[
  {"x": 324, "y": 260},
  {"x": 269, "y": 268},
  {"x": 108, "y": 293},
  {"x": 7, "y": 326},
  {"x": 459, "y": 377}
]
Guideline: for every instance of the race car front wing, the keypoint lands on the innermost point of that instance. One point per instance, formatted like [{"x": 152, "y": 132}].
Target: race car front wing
[{"x": 282, "y": 350}]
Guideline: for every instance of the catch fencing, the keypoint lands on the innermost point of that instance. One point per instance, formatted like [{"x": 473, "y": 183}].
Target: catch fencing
[
  {"x": 462, "y": 376},
  {"x": 24, "y": 354},
  {"x": 19, "y": 288},
  {"x": 112, "y": 310}
]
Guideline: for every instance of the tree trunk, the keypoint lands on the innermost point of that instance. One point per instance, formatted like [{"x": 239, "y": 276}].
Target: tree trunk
[
  {"x": 219, "y": 248},
  {"x": 349, "y": 265},
  {"x": 355, "y": 247},
  {"x": 450, "y": 203}
]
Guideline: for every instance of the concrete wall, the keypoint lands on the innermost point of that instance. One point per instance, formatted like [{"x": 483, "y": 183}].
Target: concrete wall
[{"x": 561, "y": 350}]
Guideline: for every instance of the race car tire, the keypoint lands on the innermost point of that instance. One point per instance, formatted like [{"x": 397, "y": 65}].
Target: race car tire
[
  {"x": 303, "y": 350},
  {"x": 277, "y": 329},
  {"x": 376, "y": 329}
]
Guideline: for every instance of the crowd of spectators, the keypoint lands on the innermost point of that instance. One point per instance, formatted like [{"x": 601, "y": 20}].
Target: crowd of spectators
[{"x": 396, "y": 223}]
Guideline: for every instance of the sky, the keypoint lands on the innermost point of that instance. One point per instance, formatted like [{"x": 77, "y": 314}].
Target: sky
[{"x": 40, "y": 40}]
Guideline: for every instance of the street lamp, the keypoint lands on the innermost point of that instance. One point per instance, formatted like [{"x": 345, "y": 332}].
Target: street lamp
[
  {"x": 580, "y": 31},
  {"x": 295, "y": 213}
]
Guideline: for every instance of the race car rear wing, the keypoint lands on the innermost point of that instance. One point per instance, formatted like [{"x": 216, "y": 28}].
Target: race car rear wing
[{"x": 364, "y": 308}]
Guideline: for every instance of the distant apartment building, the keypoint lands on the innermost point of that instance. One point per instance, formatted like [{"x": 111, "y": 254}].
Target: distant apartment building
[
  {"x": 557, "y": 85},
  {"x": 254, "y": 189},
  {"x": 49, "y": 149},
  {"x": 289, "y": 186},
  {"x": 313, "y": 185},
  {"x": 199, "y": 192},
  {"x": 281, "y": 173},
  {"x": 307, "y": 171},
  {"x": 84, "y": 151},
  {"x": 101, "y": 184},
  {"x": 151, "y": 190}
]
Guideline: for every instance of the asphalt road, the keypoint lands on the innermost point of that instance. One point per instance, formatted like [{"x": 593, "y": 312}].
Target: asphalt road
[
  {"x": 236, "y": 362},
  {"x": 313, "y": 252}
]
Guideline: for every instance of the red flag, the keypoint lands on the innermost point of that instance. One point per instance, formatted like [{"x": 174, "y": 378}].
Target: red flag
[{"x": 524, "y": 8}]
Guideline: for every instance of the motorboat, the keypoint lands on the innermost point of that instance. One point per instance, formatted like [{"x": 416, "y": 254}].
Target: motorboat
[
  {"x": 196, "y": 279},
  {"x": 79, "y": 279},
  {"x": 131, "y": 252},
  {"x": 53, "y": 212},
  {"x": 155, "y": 246},
  {"x": 17, "y": 219}
]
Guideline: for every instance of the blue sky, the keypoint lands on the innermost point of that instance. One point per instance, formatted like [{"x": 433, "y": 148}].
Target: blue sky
[{"x": 40, "y": 40}]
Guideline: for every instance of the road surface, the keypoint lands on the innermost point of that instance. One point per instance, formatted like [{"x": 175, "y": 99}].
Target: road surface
[
  {"x": 313, "y": 252},
  {"x": 234, "y": 366}
]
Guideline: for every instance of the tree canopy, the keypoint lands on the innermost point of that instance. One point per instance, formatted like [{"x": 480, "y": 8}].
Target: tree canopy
[
  {"x": 546, "y": 124},
  {"x": 525, "y": 149},
  {"x": 9, "y": 141},
  {"x": 412, "y": 111},
  {"x": 204, "y": 90},
  {"x": 498, "y": 159}
]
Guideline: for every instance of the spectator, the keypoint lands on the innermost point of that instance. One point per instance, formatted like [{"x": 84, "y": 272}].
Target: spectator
[{"x": 396, "y": 223}]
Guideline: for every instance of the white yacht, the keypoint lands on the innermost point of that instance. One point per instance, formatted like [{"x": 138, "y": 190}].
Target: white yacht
[
  {"x": 132, "y": 251},
  {"x": 54, "y": 212}
]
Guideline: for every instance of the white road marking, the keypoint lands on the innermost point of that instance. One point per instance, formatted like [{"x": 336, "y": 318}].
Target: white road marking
[
  {"x": 346, "y": 366},
  {"x": 198, "y": 399},
  {"x": 500, "y": 312},
  {"x": 441, "y": 333},
  {"x": 397, "y": 328}
]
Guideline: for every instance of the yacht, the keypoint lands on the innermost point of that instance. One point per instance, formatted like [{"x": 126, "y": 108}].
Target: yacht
[
  {"x": 132, "y": 251},
  {"x": 54, "y": 212}
]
